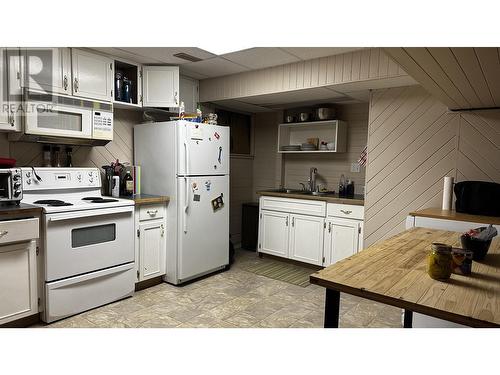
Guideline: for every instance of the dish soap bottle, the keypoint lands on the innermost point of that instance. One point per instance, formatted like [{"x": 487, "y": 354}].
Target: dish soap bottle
[{"x": 129, "y": 184}]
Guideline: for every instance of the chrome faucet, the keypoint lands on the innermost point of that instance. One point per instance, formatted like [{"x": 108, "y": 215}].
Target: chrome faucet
[{"x": 312, "y": 179}]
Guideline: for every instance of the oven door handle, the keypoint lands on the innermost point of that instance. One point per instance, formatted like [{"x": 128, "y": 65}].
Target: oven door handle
[{"x": 90, "y": 213}]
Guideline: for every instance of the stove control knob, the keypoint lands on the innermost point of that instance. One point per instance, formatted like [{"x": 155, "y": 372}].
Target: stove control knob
[
  {"x": 91, "y": 179},
  {"x": 79, "y": 177},
  {"x": 17, "y": 177},
  {"x": 28, "y": 181},
  {"x": 17, "y": 185},
  {"x": 90, "y": 174},
  {"x": 17, "y": 193},
  {"x": 28, "y": 174}
]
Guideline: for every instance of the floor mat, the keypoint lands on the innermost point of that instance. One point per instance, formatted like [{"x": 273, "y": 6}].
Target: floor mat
[{"x": 283, "y": 271}]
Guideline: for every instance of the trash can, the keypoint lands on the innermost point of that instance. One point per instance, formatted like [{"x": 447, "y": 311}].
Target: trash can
[{"x": 249, "y": 225}]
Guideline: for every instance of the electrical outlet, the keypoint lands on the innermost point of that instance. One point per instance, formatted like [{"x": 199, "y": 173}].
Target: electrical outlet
[{"x": 355, "y": 167}]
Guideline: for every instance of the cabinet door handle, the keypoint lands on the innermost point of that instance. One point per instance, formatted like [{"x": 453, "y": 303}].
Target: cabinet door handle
[
  {"x": 162, "y": 230},
  {"x": 65, "y": 82},
  {"x": 347, "y": 212},
  {"x": 76, "y": 84},
  {"x": 293, "y": 221},
  {"x": 286, "y": 221},
  {"x": 175, "y": 98},
  {"x": 329, "y": 227},
  {"x": 3, "y": 233}
]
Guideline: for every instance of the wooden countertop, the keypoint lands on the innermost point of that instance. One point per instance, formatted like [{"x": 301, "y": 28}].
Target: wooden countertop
[
  {"x": 437, "y": 213},
  {"x": 148, "y": 199},
  {"x": 23, "y": 209},
  {"x": 358, "y": 200},
  {"x": 394, "y": 272}
]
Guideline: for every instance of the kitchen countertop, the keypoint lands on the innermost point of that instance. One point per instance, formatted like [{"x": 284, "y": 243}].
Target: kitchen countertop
[
  {"x": 23, "y": 209},
  {"x": 358, "y": 200},
  {"x": 393, "y": 272},
  {"x": 148, "y": 199},
  {"x": 437, "y": 213}
]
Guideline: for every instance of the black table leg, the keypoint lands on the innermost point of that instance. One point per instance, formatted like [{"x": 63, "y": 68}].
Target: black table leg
[
  {"x": 332, "y": 308},
  {"x": 408, "y": 319}
]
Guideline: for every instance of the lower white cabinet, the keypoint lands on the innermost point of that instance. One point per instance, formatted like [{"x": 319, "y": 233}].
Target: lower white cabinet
[
  {"x": 151, "y": 241},
  {"x": 342, "y": 238},
  {"x": 306, "y": 239},
  {"x": 274, "y": 232},
  {"x": 18, "y": 269},
  {"x": 323, "y": 236}
]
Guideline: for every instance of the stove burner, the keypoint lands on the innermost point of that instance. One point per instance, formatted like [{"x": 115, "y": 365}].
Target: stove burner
[
  {"x": 53, "y": 202},
  {"x": 91, "y": 198},
  {"x": 102, "y": 200}
]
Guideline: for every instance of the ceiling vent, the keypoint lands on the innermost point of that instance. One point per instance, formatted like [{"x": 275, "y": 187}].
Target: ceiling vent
[{"x": 187, "y": 57}]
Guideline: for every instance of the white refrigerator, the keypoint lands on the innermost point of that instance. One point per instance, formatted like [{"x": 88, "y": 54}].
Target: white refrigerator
[{"x": 189, "y": 162}]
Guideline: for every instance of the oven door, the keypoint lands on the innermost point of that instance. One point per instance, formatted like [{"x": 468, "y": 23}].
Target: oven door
[
  {"x": 5, "y": 185},
  {"x": 84, "y": 241}
]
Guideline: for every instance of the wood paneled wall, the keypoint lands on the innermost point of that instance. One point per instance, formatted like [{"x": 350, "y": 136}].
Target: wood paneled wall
[
  {"x": 121, "y": 147},
  {"x": 362, "y": 65},
  {"x": 461, "y": 78},
  {"x": 413, "y": 142}
]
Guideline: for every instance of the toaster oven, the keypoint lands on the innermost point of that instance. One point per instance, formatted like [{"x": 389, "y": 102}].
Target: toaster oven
[{"x": 11, "y": 185}]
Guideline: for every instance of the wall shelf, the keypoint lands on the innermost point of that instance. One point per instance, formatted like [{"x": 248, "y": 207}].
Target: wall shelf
[{"x": 327, "y": 131}]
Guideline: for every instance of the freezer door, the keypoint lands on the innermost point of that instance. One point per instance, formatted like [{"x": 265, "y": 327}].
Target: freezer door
[
  {"x": 203, "y": 149},
  {"x": 203, "y": 234}
]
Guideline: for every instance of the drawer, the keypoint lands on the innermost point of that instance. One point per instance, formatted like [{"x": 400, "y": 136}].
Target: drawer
[
  {"x": 18, "y": 230},
  {"x": 151, "y": 211},
  {"x": 347, "y": 211},
  {"x": 294, "y": 206}
]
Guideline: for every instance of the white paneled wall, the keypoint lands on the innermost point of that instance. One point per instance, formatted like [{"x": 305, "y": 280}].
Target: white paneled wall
[
  {"x": 83, "y": 156},
  {"x": 270, "y": 169},
  {"x": 362, "y": 65},
  {"x": 332, "y": 166},
  {"x": 413, "y": 142}
]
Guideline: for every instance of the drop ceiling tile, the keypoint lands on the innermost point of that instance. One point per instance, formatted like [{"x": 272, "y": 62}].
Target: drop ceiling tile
[
  {"x": 307, "y": 53},
  {"x": 215, "y": 67},
  {"x": 261, "y": 57}
]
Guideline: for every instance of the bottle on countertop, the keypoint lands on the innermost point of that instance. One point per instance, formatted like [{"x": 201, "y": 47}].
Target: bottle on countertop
[
  {"x": 46, "y": 156},
  {"x": 342, "y": 186},
  {"x": 128, "y": 184},
  {"x": 349, "y": 189},
  {"x": 182, "y": 111}
]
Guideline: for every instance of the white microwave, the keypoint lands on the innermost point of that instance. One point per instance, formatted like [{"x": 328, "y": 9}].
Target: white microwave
[{"x": 51, "y": 118}]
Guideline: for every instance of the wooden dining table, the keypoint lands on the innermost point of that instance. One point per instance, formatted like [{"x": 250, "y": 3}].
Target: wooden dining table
[{"x": 394, "y": 272}]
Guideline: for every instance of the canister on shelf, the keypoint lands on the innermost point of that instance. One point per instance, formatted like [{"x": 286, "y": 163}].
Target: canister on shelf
[{"x": 439, "y": 261}]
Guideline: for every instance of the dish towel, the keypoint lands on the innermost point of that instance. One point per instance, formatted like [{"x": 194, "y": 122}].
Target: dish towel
[{"x": 362, "y": 157}]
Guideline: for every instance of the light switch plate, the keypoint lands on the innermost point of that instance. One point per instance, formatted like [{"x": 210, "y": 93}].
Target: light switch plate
[{"x": 355, "y": 167}]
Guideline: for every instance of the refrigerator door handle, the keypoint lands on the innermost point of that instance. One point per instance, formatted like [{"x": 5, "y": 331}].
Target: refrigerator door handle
[
  {"x": 186, "y": 151},
  {"x": 186, "y": 203}
]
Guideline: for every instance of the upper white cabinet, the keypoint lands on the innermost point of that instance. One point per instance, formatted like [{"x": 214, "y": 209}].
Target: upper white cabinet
[
  {"x": 10, "y": 89},
  {"x": 306, "y": 239},
  {"x": 189, "y": 93},
  {"x": 160, "y": 86},
  {"x": 92, "y": 75},
  {"x": 127, "y": 84},
  {"x": 47, "y": 69}
]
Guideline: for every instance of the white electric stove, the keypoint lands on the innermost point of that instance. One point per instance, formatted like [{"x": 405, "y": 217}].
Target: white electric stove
[{"x": 87, "y": 240}]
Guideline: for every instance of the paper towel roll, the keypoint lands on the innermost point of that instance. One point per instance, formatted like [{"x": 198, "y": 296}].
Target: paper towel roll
[{"x": 447, "y": 193}]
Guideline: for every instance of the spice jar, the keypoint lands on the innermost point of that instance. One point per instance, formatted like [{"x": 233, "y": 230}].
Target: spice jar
[{"x": 439, "y": 261}]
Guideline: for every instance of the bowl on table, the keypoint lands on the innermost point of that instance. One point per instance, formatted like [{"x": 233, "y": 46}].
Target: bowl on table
[{"x": 478, "y": 247}]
